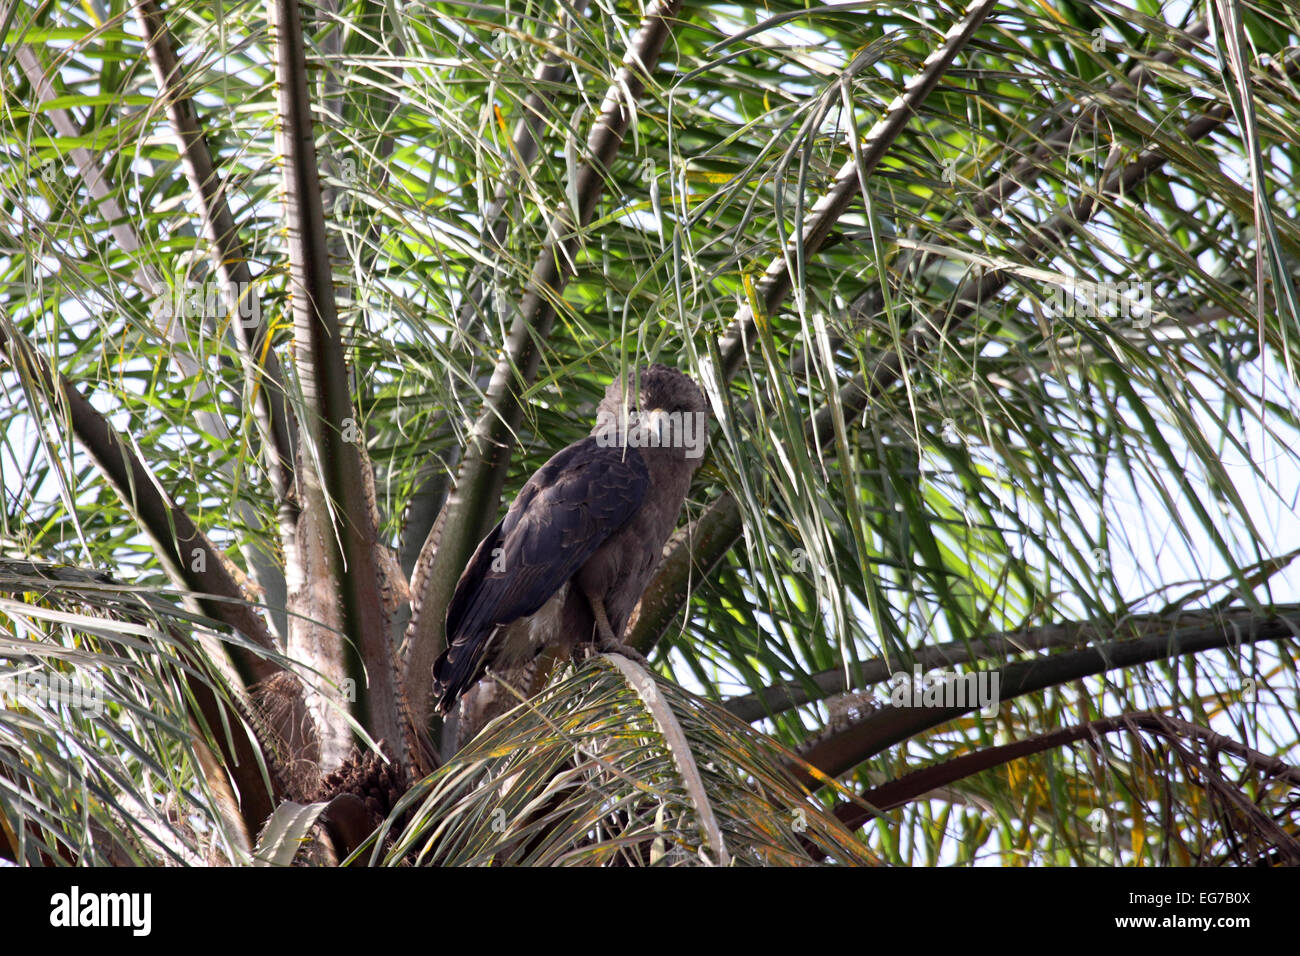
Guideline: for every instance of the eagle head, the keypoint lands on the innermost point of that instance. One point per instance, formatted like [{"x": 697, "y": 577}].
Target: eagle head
[{"x": 668, "y": 416}]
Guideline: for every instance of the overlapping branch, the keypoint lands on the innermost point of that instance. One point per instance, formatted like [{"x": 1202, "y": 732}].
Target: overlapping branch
[
  {"x": 189, "y": 557},
  {"x": 332, "y": 480},
  {"x": 215, "y": 719},
  {"x": 912, "y": 786},
  {"x": 1069, "y": 634},
  {"x": 147, "y": 279},
  {"x": 839, "y": 751},
  {"x": 230, "y": 261}
]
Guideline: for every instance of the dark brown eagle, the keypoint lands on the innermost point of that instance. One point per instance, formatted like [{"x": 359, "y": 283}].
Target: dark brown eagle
[{"x": 568, "y": 562}]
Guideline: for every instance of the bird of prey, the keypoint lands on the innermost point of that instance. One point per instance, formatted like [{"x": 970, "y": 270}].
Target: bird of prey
[{"x": 568, "y": 562}]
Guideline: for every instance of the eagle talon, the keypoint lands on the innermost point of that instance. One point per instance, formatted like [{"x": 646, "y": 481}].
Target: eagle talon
[
  {"x": 618, "y": 647},
  {"x": 606, "y": 641}
]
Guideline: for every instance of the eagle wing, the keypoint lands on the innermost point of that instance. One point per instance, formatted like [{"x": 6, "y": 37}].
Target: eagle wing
[{"x": 567, "y": 510}]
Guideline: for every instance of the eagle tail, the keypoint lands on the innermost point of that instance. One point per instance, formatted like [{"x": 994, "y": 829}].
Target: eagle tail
[{"x": 456, "y": 670}]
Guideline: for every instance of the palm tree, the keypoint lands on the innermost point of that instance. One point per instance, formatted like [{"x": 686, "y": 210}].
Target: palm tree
[{"x": 995, "y": 308}]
